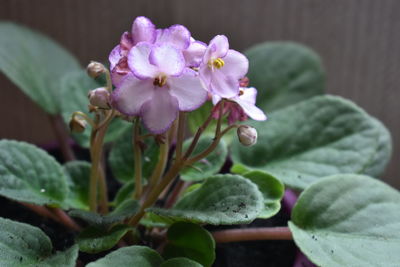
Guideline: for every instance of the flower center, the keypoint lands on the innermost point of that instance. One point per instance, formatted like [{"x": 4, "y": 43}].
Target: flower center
[
  {"x": 218, "y": 63},
  {"x": 160, "y": 81}
]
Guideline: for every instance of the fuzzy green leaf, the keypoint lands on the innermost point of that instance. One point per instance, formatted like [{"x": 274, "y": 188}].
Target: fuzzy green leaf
[
  {"x": 29, "y": 174},
  {"x": 35, "y": 63},
  {"x": 130, "y": 256},
  {"x": 348, "y": 220},
  {"x": 191, "y": 241},
  {"x": 284, "y": 73},
  {"x": 322, "y": 136},
  {"x": 222, "y": 199},
  {"x": 122, "y": 162},
  {"x": 25, "y": 245},
  {"x": 207, "y": 166},
  {"x": 74, "y": 90},
  {"x": 78, "y": 173},
  {"x": 272, "y": 190}
]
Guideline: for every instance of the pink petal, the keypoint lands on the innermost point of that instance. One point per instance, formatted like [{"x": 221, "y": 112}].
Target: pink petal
[
  {"x": 177, "y": 35},
  {"x": 143, "y": 30},
  {"x": 160, "y": 111},
  {"x": 125, "y": 43},
  {"x": 188, "y": 90},
  {"x": 236, "y": 64},
  {"x": 132, "y": 93},
  {"x": 218, "y": 47},
  {"x": 247, "y": 103},
  {"x": 194, "y": 53},
  {"x": 168, "y": 59},
  {"x": 205, "y": 75},
  {"x": 224, "y": 86},
  {"x": 114, "y": 56},
  {"x": 138, "y": 61}
]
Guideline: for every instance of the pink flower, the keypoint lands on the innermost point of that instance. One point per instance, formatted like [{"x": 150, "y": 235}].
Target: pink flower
[
  {"x": 222, "y": 68},
  {"x": 240, "y": 106},
  {"x": 159, "y": 86}
]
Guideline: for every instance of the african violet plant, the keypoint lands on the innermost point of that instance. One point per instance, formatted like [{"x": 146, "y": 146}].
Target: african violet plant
[{"x": 160, "y": 84}]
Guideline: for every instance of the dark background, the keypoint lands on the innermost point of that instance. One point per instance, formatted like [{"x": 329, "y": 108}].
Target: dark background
[{"x": 358, "y": 40}]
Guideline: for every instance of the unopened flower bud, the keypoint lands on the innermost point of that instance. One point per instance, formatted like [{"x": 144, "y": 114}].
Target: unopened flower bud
[
  {"x": 94, "y": 69},
  {"x": 77, "y": 125},
  {"x": 247, "y": 135},
  {"x": 100, "y": 97}
]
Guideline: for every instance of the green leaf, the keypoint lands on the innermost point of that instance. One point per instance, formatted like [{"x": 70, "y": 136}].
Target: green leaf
[
  {"x": 35, "y": 64},
  {"x": 207, "y": 166},
  {"x": 180, "y": 262},
  {"x": 24, "y": 245},
  {"x": 348, "y": 220},
  {"x": 130, "y": 256},
  {"x": 322, "y": 136},
  {"x": 95, "y": 240},
  {"x": 284, "y": 73},
  {"x": 74, "y": 90},
  {"x": 121, "y": 158},
  {"x": 125, "y": 210},
  {"x": 191, "y": 241},
  {"x": 222, "y": 199},
  {"x": 272, "y": 190},
  {"x": 78, "y": 173},
  {"x": 29, "y": 174},
  {"x": 124, "y": 193}
]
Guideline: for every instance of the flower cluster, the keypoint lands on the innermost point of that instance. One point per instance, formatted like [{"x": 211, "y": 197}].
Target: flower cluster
[{"x": 159, "y": 72}]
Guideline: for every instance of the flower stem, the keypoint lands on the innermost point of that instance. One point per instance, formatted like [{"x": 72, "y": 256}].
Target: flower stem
[
  {"x": 103, "y": 191},
  {"x": 180, "y": 135},
  {"x": 137, "y": 154},
  {"x": 161, "y": 164},
  {"x": 62, "y": 137},
  {"x": 250, "y": 234}
]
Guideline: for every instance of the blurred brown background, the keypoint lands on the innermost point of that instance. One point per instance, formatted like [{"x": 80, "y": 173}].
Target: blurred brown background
[{"x": 358, "y": 40}]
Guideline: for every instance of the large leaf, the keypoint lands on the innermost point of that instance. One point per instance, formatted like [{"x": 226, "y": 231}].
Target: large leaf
[
  {"x": 348, "y": 220},
  {"x": 125, "y": 210},
  {"x": 74, "y": 90},
  {"x": 191, "y": 241},
  {"x": 78, "y": 174},
  {"x": 35, "y": 64},
  {"x": 122, "y": 162},
  {"x": 322, "y": 136},
  {"x": 207, "y": 166},
  {"x": 130, "y": 256},
  {"x": 222, "y": 199},
  {"x": 284, "y": 73},
  {"x": 272, "y": 190},
  {"x": 94, "y": 239},
  {"x": 29, "y": 174},
  {"x": 24, "y": 245}
]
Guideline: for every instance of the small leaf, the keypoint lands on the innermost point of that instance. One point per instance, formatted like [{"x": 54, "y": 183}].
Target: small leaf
[
  {"x": 130, "y": 256},
  {"x": 29, "y": 174},
  {"x": 121, "y": 158},
  {"x": 207, "y": 166},
  {"x": 272, "y": 190},
  {"x": 78, "y": 175},
  {"x": 125, "y": 210},
  {"x": 180, "y": 262},
  {"x": 95, "y": 240},
  {"x": 191, "y": 241},
  {"x": 348, "y": 220},
  {"x": 74, "y": 90},
  {"x": 322, "y": 136},
  {"x": 35, "y": 63},
  {"x": 222, "y": 199},
  {"x": 24, "y": 245},
  {"x": 284, "y": 73}
]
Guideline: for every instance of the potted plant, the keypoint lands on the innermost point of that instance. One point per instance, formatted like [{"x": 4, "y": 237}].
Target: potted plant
[{"x": 176, "y": 166}]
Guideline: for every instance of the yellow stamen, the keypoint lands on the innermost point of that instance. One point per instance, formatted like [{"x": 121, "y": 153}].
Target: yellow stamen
[
  {"x": 218, "y": 63},
  {"x": 160, "y": 81}
]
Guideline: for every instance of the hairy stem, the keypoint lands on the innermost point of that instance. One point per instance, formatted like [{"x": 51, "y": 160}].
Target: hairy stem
[
  {"x": 103, "y": 191},
  {"x": 137, "y": 154},
  {"x": 62, "y": 137},
  {"x": 249, "y": 234},
  {"x": 161, "y": 164}
]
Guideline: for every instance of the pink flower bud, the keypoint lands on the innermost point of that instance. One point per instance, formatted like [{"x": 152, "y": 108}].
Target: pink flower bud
[
  {"x": 95, "y": 69},
  {"x": 100, "y": 97},
  {"x": 247, "y": 135}
]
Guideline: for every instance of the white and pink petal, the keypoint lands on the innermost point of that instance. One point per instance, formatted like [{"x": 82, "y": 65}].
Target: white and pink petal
[
  {"x": 224, "y": 86},
  {"x": 177, "y": 35},
  {"x": 139, "y": 63},
  {"x": 236, "y": 64},
  {"x": 143, "y": 30},
  {"x": 168, "y": 60}
]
